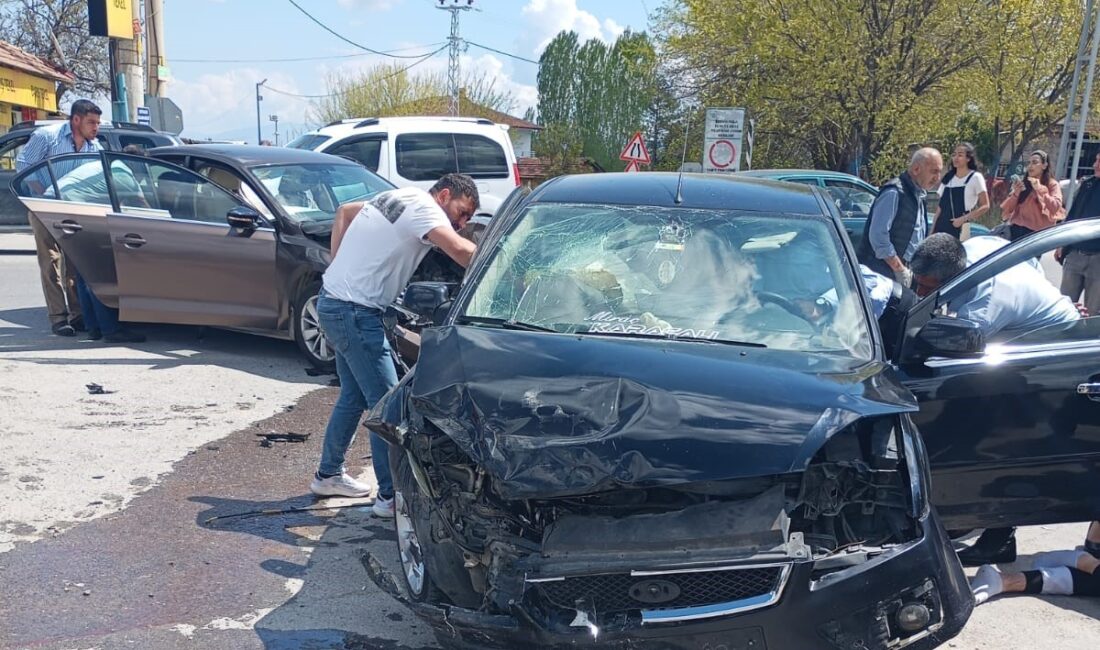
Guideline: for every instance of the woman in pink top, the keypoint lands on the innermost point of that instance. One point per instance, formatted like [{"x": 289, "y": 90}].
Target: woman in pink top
[{"x": 1035, "y": 202}]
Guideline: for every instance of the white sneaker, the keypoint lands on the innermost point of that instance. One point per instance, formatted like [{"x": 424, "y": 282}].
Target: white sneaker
[
  {"x": 383, "y": 508},
  {"x": 338, "y": 486}
]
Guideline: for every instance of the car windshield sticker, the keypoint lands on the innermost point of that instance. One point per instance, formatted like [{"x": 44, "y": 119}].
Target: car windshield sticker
[{"x": 647, "y": 323}]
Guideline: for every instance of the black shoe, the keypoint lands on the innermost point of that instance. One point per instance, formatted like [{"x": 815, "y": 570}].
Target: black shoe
[
  {"x": 63, "y": 329},
  {"x": 980, "y": 553},
  {"x": 1093, "y": 548},
  {"x": 94, "y": 335},
  {"x": 78, "y": 324},
  {"x": 125, "y": 336}
]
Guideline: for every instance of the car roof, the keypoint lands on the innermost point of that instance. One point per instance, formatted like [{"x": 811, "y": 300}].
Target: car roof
[
  {"x": 414, "y": 124},
  {"x": 251, "y": 155},
  {"x": 778, "y": 173},
  {"x": 706, "y": 191}
]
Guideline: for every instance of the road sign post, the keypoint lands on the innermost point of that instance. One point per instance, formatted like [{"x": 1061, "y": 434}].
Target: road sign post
[
  {"x": 635, "y": 153},
  {"x": 722, "y": 139}
]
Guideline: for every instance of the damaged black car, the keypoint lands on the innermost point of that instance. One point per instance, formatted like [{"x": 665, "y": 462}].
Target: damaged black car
[{"x": 659, "y": 412}]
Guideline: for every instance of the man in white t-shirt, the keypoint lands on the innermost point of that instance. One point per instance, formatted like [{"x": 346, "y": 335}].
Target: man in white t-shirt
[{"x": 376, "y": 247}]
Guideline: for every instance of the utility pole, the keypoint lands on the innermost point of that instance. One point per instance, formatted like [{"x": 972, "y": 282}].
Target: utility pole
[
  {"x": 259, "y": 98},
  {"x": 156, "y": 65},
  {"x": 130, "y": 65},
  {"x": 456, "y": 46},
  {"x": 1077, "y": 111}
]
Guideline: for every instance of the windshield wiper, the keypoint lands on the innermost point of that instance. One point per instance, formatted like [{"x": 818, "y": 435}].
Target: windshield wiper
[
  {"x": 677, "y": 337},
  {"x": 504, "y": 323}
]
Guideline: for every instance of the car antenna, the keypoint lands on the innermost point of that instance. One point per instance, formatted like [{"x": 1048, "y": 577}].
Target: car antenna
[{"x": 683, "y": 157}]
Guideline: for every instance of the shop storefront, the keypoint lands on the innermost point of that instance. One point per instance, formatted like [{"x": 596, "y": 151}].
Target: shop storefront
[{"x": 27, "y": 87}]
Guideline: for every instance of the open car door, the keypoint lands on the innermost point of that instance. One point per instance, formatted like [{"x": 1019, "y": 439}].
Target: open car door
[
  {"x": 1011, "y": 424},
  {"x": 69, "y": 194},
  {"x": 157, "y": 241}
]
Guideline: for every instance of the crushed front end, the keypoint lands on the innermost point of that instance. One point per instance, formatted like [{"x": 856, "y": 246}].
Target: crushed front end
[{"x": 843, "y": 554}]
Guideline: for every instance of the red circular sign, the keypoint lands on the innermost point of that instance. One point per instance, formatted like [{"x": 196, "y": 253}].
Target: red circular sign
[{"x": 722, "y": 154}]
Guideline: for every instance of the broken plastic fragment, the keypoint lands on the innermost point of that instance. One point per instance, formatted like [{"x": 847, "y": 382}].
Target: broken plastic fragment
[{"x": 581, "y": 620}]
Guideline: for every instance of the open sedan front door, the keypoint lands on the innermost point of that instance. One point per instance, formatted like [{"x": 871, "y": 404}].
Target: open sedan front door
[
  {"x": 158, "y": 241},
  {"x": 1011, "y": 425}
]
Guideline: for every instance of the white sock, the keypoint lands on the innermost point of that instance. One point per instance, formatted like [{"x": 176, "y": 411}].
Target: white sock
[
  {"x": 986, "y": 584},
  {"x": 1057, "y": 581},
  {"x": 1057, "y": 558}
]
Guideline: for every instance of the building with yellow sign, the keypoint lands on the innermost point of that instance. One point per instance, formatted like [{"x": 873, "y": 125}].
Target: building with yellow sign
[{"x": 27, "y": 86}]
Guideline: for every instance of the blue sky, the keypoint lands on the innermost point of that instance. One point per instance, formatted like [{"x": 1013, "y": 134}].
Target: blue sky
[{"x": 218, "y": 98}]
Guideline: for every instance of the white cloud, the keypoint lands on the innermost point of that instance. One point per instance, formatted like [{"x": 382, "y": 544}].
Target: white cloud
[
  {"x": 545, "y": 18},
  {"x": 370, "y": 5},
  {"x": 526, "y": 96},
  {"x": 219, "y": 103}
]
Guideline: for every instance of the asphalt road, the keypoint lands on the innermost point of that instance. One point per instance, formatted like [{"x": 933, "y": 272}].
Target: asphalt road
[{"x": 153, "y": 517}]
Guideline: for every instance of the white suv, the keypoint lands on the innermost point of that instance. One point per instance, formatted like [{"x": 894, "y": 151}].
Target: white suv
[{"x": 419, "y": 150}]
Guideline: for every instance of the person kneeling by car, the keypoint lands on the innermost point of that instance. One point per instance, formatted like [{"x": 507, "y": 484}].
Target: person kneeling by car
[
  {"x": 376, "y": 247},
  {"x": 1019, "y": 299}
]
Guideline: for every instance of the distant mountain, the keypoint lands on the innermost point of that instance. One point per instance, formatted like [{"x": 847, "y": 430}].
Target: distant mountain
[{"x": 287, "y": 132}]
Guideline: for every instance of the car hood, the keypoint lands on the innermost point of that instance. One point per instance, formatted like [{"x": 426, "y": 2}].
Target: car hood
[{"x": 549, "y": 415}]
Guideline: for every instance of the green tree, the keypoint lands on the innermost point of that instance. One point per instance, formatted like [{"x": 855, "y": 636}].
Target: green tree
[
  {"x": 57, "y": 31},
  {"x": 836, "y": 82},
  {"x": 388, "y": 90},
  {"x": 601, "y": 92}
]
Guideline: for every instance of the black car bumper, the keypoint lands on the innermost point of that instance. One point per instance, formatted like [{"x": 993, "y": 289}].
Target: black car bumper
[{"x": 854, "y": 608}]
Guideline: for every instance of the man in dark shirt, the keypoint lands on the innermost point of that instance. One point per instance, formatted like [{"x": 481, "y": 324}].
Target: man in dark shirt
[{"x": 1081, "y": 262}]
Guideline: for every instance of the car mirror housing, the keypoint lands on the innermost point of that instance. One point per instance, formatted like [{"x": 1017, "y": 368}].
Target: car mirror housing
[
  {"x": 425, "y": 299},
  {"x": 956, "y": 338},
  {"x": 243, "y": 217}
]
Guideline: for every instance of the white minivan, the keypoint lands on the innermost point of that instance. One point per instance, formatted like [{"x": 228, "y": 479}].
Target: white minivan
[{"x": 419, "y": 150}]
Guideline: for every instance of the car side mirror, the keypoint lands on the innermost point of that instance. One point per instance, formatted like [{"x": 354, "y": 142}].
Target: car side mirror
[
  {"x": 243, "y": 217},
  {"x": 426, "y": 298},
  {"x": 955, "y": 338}
]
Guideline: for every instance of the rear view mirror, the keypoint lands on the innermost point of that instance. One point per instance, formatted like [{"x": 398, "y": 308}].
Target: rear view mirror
[
  {"x": 243, "y": 217},
  {"x": 956, "y": 338}
]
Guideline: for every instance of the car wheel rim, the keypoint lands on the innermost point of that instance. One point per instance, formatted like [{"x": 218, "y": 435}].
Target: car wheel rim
[
  {"x": 312, "y": 334},
  {"x": 408, "y": 544}
]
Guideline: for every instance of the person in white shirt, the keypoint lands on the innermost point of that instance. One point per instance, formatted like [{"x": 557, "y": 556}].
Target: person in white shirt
[
  {"x": 963, "y": 195},
  {"x": 376, "y": 247}
]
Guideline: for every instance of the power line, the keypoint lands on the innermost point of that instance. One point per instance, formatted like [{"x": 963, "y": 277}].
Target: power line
[
  {"x": 304, "y": 58},
  {"x": 346, "y": 39},
  {"x": 344, "y": 92},
  {"x": 514, "y": 56}
]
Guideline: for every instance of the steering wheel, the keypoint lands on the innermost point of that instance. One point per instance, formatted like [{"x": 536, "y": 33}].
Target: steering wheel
[{"x": 786, "y": 304}]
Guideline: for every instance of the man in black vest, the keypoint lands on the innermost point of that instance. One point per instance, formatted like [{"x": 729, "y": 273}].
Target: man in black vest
[
  {"x": 1081, "y": 262},
  {"x": 899, "y": 220}
]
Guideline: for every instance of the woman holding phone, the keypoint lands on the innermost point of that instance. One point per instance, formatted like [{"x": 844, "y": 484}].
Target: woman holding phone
[
  {"x": 963, "y": 195},
  {"x": 1036, "y": 200}
]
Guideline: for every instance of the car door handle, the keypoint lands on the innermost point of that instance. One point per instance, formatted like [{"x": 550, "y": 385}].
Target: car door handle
[
  {"x": 130, "y": 240},
  {"x": 68, "y": 227},
  {"x": 1092, "y": 391}
]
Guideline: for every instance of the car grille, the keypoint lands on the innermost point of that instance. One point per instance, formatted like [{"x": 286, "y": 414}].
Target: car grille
[{"x": 611, "y": 592}]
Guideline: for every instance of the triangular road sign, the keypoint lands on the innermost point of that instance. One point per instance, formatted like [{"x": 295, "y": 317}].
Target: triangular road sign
[
  {"x": 632, "y": 166},
  {"x": 635, "y": 150}
]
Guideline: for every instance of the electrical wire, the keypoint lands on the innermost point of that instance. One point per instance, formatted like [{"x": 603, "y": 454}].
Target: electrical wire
[
  {"x": 303, "y": 58},
  {"x": 514, "y": 56},
  {"x": 346, "y": 39},
  {"x": 344, "y": 92}
]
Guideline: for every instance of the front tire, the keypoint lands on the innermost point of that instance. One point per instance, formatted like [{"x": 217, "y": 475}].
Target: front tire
[{"x": 307, "y": 330}]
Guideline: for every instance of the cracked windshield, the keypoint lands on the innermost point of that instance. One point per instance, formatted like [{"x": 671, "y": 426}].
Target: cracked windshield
[{"x": 724, "y": 276}]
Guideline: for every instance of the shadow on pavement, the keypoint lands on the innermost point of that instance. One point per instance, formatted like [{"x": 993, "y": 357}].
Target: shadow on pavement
[{"x": 25, "y": 331}]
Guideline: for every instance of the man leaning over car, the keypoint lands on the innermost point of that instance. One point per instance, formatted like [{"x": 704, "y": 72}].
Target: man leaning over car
[{"x": 376, "y": 247}]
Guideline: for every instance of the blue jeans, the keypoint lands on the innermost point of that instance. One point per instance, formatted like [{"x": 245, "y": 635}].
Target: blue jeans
[
  {"x": 97, "y": 316},
  {"x": 366, "y": 372}
]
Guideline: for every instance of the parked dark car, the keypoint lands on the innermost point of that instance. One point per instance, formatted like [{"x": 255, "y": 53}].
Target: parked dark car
[
  {"x": 113, "y": 136},
  {"x": 237, "y": 238},
  {"x": 627, "y": 429},
  {"x": 852, "y": 195}
]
